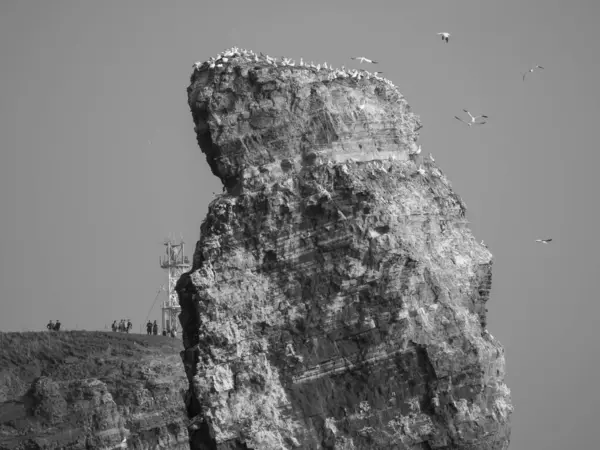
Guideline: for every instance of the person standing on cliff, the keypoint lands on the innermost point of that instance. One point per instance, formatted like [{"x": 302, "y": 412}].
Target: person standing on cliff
[
  {"x": 57, "y": 326},
  {"x": 155, "y": 328},
  {"x": 129, "y": 325},
  {"x": 50, "y": 326},
  {"x": 114, "y": 326},
  {"x": 149, "y": 327}
]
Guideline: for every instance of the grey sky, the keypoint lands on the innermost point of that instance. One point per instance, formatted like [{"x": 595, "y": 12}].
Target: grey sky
[{"x": 86, "y": 200}]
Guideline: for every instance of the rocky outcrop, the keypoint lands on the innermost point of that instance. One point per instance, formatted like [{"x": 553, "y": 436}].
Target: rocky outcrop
[
  {"x": 90, "y": 390},
  {"x": 337, "y": 297}
]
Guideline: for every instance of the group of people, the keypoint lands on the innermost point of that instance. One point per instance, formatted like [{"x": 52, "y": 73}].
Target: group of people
[
  {"x": 53, "y": 326},
  {"x": 123, "y": 326},
  {"x": 152, "y": 328}
]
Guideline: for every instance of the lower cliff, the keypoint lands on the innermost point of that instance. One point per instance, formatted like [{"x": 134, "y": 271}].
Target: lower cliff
[
  {"x": 91, "y": 390},
  {"x": 337, "y": 298}
]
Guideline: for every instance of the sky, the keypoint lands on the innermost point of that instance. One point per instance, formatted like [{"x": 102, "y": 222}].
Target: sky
[{"x": 99, "y": 161}]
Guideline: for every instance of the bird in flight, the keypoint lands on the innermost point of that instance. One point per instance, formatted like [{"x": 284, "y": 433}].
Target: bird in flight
[
  {"x": 473, "y": 119},
  {"x": 531, "y": 71},
  {"x": 445, "y": 36},
  {"x": 543, "y": 241},
  {"x": 362, "y": 59}
]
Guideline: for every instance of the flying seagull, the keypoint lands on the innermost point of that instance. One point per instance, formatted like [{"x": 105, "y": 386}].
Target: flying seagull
[
  {"x": 473, "y": 119},
  {"x": 445, "y": 36},
  {"x": 543, "y": 241},
  {"x": 531, "y": 71},
  {"x": 362, "y": 59}
]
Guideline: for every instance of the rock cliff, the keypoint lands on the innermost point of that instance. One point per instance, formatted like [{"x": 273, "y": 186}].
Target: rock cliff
[
  {"x": 90, "y": 390},
  {"x": 337, "y": 297}
]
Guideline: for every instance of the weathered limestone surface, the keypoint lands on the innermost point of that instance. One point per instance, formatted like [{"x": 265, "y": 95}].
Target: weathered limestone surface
[
  {"x": 337, "y": 297},
  {"x": 89, "y": 390}
]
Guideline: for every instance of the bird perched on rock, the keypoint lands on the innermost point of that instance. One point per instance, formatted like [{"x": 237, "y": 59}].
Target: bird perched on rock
[
  {"x": 431, "y": 158},
  {"x": 445, "y": 36},
  {"x": 362, "y": 59},
  {"x": 414, "y": 151},
  {"x": 531, "y": 71},
  {"x": 543, "y": 241},
  {"x": 473, "y": 119},
  {"x": 421, "y": 171}
]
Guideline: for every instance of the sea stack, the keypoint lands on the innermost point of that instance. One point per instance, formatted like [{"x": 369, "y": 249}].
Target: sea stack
[{"x": 337, "y": 298}]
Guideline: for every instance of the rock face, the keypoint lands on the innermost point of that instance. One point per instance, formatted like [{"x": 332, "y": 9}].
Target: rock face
[
  {"x": 337, "y": 297},
  {"x": 90, "y": 390}
]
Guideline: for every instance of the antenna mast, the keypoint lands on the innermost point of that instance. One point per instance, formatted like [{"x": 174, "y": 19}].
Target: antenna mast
[{"x": 175, "y": 263}]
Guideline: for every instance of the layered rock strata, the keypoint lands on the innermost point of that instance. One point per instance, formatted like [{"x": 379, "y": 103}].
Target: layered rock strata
[
  {"x": 90, "y": 390},
  {"x": 337, "y": 297}
]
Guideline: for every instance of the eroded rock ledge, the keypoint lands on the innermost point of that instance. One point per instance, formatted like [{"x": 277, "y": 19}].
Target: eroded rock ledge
[{"x": 337, "y": 297}]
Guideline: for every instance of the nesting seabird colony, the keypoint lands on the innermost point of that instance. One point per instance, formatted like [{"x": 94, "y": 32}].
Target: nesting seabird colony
[
  {"x": 327, "y": 70},
  {"x": 330, "y": 73}
]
